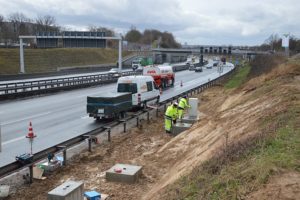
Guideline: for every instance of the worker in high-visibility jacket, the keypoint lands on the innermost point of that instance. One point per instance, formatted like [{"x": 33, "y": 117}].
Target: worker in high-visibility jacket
[
  {"x": 183, "y": 104},
  {"x": 170, "y": 116}
]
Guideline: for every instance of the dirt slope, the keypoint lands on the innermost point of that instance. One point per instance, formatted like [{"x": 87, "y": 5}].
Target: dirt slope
[
  {"x": 225, "y": 116},
  {"x": 285, "y": 187}
]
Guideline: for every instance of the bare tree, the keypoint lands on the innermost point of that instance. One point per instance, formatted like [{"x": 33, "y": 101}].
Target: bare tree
[
  {"x": 18, "y": 21},
  {"x": 46, "y": 23}
]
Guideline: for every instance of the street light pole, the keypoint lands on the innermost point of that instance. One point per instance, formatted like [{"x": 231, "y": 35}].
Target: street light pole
[
  {"x": 120, "y": 54},
  {"x": 22, "y": 68}
]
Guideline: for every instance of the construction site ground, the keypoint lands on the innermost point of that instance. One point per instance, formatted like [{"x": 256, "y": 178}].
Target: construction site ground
[{"x": 224, "y": 115}]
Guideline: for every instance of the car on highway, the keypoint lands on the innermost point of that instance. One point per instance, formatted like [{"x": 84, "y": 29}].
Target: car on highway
[
  {"x": 198, "y": 69},
  {"x": 209, "y": 66},
  {"x": 191, "y": 67},
  {"x": 115, "y": 72},
  {"x": 215, "y": 64}
]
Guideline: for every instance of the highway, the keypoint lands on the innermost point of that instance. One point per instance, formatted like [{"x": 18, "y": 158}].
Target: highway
[{"x": 61, "y": 116}]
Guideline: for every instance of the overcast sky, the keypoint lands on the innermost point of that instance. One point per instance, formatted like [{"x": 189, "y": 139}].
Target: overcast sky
[{"x": 235, "y": 22}]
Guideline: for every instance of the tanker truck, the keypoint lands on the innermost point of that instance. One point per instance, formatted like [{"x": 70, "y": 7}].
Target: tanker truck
[{"x": 163, "y": 75}]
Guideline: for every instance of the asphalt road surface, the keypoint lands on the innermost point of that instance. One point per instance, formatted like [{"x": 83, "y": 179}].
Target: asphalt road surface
[{"x": 61, "y": 116}]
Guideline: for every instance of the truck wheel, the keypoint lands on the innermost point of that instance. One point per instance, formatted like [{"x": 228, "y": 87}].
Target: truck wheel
[
  {"x": 162, "y": 84},
  {"x": 165, "y": 83}
]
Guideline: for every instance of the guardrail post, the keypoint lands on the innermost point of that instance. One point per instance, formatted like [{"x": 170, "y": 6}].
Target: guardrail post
[
  {"x": 108, "y": 133},
  {"x": 124, "y": 125},
  {"x": 148, "y": 116},
  {"x": 137, "y": 121},
  {"x": 31, "y": 173},
  {"x": 64, "y": 154},
  {"x": 65, "y": 157},
  {"x": 90, "y": 144}
]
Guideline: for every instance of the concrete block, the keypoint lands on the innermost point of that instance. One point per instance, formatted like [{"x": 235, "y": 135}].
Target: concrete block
[
  {"x": 124, "y": 173},
  {"x": 193, "y": 111},
  {"x": 180, "y": 127},
  {"x": 70, "y": 190}
]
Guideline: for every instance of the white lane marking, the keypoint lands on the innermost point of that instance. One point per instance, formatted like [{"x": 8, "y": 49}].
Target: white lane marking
[
  {"x": 13, "y": 140},
  {"x": 26, "y": 118},
  {"x": 84, "y": 117}
]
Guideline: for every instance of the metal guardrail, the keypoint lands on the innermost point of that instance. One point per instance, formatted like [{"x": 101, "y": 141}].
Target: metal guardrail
[
  {"x": 15, "y": 166},
  {"x": 29, "y": 88},
  {"x": 26, "y": 88}
]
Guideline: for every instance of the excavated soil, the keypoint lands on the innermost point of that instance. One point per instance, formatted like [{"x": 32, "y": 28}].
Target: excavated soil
[{"x": 225, "y": 116}]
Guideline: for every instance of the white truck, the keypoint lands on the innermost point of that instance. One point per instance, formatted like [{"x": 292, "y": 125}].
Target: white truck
[{"x": 132, "y": 92}]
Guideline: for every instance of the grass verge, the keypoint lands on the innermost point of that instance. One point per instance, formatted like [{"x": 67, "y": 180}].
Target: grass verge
[
  {"x": 239, "y": 78},
  {"x": 47, "y": 60}
]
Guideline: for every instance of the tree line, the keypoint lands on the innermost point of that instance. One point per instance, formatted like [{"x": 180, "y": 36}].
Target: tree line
[
  {"x": 16, "y": 24},
  {"x": 19, "y": 24},
  {"x": 152, "y": 37},
  {"x": 274, "y": 43}
]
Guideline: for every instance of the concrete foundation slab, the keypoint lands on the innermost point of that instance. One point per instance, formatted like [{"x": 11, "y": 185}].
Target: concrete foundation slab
[
  {"x": 70, "y": 190},
  {"x": 124, "y": 173},
  {"x": 189, "y": 119},
  {"x": 180, "y": 127}
]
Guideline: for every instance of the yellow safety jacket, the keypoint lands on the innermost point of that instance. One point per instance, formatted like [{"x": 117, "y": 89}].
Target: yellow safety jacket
[
  {"x": 171, "y": 112},
  {"x": 183, "y": 104}
]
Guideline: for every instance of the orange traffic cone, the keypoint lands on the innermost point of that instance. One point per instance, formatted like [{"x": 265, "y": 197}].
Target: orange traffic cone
[
  {"x": 30, "y": 134},
  {"x": 181, "y": 84}
]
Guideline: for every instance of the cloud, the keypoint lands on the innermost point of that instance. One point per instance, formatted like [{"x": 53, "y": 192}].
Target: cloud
[{"x": 192, "y": 21}]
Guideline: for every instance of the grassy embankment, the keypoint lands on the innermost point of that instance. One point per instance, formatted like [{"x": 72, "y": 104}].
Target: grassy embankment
[
  {"x": 243, "y": 167},
  {"x": 47, "y": 60}
]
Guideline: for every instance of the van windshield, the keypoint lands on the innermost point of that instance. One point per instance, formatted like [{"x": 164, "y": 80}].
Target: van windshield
[{"x": 127, "y": 87}]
